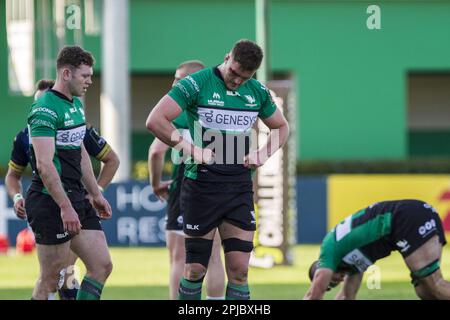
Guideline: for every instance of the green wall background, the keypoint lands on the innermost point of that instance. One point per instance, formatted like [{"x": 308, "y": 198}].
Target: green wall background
[{"x": 351, "y": 81}]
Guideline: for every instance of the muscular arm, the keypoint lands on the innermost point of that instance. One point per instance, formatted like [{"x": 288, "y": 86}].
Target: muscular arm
[
  {"x": 350, "y": 287},
  {"x": 159, "y": 122},
  {"x": 320, "y": 283},
  {"x": 110, "y": 165},
  {"x": 44, "y": 148},
  {"x": 279, "y": 133}
]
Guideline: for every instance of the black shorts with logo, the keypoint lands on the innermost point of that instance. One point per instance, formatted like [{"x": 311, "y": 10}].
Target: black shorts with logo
[
  {"x": 44, "y": 217},
  {"x": 204, "y": 205},
  {"x": 414, "y": 223},
  {"x": 174, "y": 219}
]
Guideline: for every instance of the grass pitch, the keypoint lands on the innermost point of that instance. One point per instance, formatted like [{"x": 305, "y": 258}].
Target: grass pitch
[{"x": 143, "y": 273}]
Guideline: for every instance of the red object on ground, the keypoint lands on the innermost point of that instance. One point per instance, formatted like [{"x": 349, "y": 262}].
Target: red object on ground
[
  {"x": 4, "y": 243},
  {"x": 25, "y": 241}
]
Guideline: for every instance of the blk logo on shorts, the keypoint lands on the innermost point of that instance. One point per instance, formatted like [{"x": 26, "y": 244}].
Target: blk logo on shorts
[{"x": 192, "y": 227}]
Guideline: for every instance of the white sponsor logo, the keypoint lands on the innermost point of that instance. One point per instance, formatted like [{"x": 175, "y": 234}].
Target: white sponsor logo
[
  {"x": 192, "y": 81},
  {"x": 73, "y": 110},
  {"x": 233, "y": 93},
  {"x": 215, "y": 101},
  {"x": 428, "y": 227},
  {"x": 358, "y": 259},
  {"x": 66, "y": 116},
  {"x": 62, "y": 235},
  {"x": 192, "y": 227},
  {"x": 234, "y": 120},
  {"x": 253, "y": 217},
  {"x": 70, "y": 137},
  {"x": 180, "y": 219},
  {"x": 403, "y": 245},
  {"x": 69, "y": 123},
  {"x": 46, "y": 110},
  {"x": 183, "y": 89}
]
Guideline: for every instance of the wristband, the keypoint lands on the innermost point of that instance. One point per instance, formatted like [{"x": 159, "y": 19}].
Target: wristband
[{"x": 17, "y": 197}]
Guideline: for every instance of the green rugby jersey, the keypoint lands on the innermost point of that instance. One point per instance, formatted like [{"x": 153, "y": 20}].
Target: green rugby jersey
[
  {"x": 54, "y": 115},
  {"x": 360, "y": 240},
  {"x": 221, "y": 119}
]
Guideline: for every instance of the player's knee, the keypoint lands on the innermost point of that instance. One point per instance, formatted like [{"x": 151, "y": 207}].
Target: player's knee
[
  {"x": 108, "y": 268},
  {"x": 195, "y": 271},
  {"x": 237, "y": 270},
  {"x": 198, "y": 251}
]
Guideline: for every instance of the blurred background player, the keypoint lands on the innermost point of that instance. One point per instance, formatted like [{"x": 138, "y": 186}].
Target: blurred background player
[
  {"x": 170, "y": 191},
  {"x": 411, "y": 227},
  {"x": 96, "y": 146}
]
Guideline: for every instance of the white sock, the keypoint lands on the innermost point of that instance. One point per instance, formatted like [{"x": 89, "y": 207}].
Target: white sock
[{"x": 215, "y": 298}]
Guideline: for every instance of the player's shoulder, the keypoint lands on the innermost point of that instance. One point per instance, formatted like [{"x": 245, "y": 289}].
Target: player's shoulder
[
  {"x": 197, "y": 79},
  {"x": 46, "y": 104}
]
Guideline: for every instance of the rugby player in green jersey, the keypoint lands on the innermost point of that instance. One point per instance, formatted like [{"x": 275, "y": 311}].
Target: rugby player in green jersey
[
  {"x": 411, "y": 227},
  {"x": 61, "y": 166},
  {"x": 170, "y": 191},
  {"x": 221, "y": 104}
]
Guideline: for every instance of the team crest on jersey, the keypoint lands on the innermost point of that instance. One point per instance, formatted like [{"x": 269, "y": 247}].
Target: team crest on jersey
[{"x": 251, "y": 101}]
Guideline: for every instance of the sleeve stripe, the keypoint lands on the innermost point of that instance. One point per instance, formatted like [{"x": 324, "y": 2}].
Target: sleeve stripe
[
  {"x": 16, "y": 167},
  {"x": 106, "y": 149}
]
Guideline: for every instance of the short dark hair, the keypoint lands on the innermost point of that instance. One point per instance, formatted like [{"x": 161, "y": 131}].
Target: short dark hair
[
  {"x": 192, "y": 66},
  {"x": 74, "y": 56},
  {"x": 248, "y": 54},
  {"x": 44, "y": 84}
]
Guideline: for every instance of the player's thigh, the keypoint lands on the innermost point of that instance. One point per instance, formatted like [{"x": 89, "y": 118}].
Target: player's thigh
[
  {"x": 52, "y": 258},
  {"x": 175, "y": 244},
  {"x": 216, "y": 250},
  {"x": 228, "y": 230},
  {"x": 91, "y": 247},
  {"x": 430, "y": 251}
]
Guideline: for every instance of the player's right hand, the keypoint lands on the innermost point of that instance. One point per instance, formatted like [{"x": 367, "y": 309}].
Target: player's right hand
[
  {"x": 161, "y": 191},
  {"x": 70, "y": 220},
  {"x": 19, "y": 209}
]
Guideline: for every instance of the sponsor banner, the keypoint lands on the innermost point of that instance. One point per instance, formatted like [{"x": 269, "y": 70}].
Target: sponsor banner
[
  {"x": 350, "y": 193},
  {"x": 138, "y": 216}
]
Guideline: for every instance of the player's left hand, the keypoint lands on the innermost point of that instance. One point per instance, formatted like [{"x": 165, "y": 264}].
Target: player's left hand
[
  {"x": 102, "y": 206},
  {"x": 253, "y": 160}
]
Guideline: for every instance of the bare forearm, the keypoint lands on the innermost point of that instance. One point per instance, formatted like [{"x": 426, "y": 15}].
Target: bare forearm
[
  {"x": 13, "y": 184},
  {"x": 88, "y": 177},
  {"x": 53, "y": 183},
  {"x": 155, "y": 167},
  {"x": 107, "y": 173}
]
